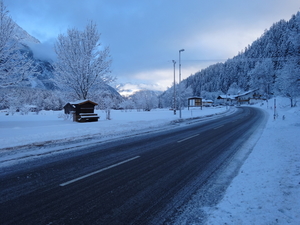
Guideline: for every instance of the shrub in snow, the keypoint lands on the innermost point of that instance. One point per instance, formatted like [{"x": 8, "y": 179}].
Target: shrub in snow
[
  {"x": 12, "y": 110},
  {"x": 65, "y": 116},
  {"x": 24, "y": 110}
]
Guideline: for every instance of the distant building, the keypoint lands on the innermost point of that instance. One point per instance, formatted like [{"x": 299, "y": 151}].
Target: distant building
[
  {"x": 228, "y": 99},
  {"x": 207, "y": 102},
  {"x": 194, "y": 102},
  {"x": 246, "y": 97}
]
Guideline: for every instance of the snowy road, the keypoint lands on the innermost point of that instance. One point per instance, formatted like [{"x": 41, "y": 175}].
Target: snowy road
[{"x": 143, "y": 179}]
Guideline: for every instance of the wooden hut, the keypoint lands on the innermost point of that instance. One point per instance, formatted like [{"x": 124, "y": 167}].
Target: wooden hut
[{"x": 83, "y": 110}]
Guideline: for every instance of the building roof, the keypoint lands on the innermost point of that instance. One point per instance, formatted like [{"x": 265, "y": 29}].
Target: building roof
[
  {"x": 233, "y": 97},
  {"x": 195, "y": 97},
  {"x": 227, "y": 96},
  {"x": 207, "y": 101},
  {"x": 80, "y": 102}
]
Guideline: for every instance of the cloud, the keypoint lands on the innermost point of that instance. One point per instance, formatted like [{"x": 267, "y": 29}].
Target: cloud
[
  {"x": 129, "y": 88},
  {"x": 145, "y": 36},
  {"x": 160, "y": 79},
  {"x": 157, "y": 80},
  {"x": 44, "y": 51}
]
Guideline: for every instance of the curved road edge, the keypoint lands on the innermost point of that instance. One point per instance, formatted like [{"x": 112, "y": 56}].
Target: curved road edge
[{"x": 196, "y": 210}]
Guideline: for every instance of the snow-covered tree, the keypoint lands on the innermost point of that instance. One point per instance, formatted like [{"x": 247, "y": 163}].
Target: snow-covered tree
[
  {"x": 21, "y": 98},
  {"x": 145, "y": 100},
  {"x": 128, "y": 104},
  {"x": 234, "y": 89},
  {"x": 83, "y": 65},
  {"x": 212, "y": 95},
  {"x": 183, "y": 94},
  {"x": 262, "y": 76},
  {"x": 15, "y": 62},
  {"x": 107, "y": 103},
  {"x": 288, "y": 83},
  {"x": 167, "y": 98}
]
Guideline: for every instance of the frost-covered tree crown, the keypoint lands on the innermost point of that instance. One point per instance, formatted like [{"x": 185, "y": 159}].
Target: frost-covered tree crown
[{"x": 83, "y": 65}]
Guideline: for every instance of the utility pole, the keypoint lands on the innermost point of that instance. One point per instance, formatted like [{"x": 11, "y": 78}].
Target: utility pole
[
  {"x": 181, "y": 50},
  {"x": 268, "y": 95},
  {"x": 174, "y": 106},
  {"x": 275, "y": 114}
]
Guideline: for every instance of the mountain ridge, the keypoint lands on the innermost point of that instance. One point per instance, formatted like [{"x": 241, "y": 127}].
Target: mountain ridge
[
  {"x": 271, "y": 64},
  {"x": 43, "y": 75}
]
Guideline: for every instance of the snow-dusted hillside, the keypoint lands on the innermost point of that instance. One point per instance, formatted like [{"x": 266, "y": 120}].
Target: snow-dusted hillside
[
  {"x": 23, "y": 36},
  {"x": 42, "y": 55},
  {"x": 41, "y": 69}
]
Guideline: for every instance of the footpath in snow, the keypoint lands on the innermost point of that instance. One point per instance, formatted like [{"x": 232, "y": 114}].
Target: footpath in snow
[{"x": 267, "y": 187}]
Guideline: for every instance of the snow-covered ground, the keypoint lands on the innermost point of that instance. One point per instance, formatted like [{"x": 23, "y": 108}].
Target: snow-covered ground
[
  {"x": 265, "y": 191},
  {"x": 47, "y": 127},
  {"x": 267, "y": 188},
  {"x": 19, "y": 130}
]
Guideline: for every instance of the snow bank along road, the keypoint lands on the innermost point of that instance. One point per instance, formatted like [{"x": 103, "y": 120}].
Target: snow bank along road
[{"x": 140, "y": 180}]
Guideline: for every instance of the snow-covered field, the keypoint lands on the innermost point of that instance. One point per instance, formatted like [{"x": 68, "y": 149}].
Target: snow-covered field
[
  {"x": 48, "y": 128},
  {"x": 19, "y": 130},
  {"x": 265, "y": 191}
]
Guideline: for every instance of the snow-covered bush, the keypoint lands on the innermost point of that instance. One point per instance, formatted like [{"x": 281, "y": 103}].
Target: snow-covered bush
[
  {"x": 65, "y": 116},
  {"x": 145, "y": 100},
  {"x": 127, "y": 105}
]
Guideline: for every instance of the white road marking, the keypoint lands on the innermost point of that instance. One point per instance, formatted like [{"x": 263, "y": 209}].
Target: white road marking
[
  {"x": 218, "y": 127},
  {"x": 98, "y": 171},
  {"x": 187, "y": 138}
]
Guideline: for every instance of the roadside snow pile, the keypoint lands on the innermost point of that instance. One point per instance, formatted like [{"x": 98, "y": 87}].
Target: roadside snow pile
[
  {"x": 19, "y": 130},
  {"x": 267, "y": 188}
]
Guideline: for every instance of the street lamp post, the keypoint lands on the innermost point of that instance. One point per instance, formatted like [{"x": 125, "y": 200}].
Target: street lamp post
[
  {"x": 174, "y": 106},
  {"x": 181, "y": 50}
]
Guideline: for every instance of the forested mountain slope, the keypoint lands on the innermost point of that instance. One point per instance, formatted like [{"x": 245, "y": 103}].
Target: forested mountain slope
[{"x": 271, "y": 63}]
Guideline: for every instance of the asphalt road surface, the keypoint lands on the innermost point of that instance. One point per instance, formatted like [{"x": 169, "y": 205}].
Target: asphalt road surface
[{"x": 137, "y": 180}]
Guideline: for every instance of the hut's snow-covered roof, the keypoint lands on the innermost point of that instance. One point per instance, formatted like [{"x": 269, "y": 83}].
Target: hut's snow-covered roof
[{"x": 80, "y": 102}]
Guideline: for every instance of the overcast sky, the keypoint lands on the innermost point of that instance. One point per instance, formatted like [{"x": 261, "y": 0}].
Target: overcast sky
[{"x": 144, "y": 36}]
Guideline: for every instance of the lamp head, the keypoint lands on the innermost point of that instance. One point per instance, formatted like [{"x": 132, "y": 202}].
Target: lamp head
[{"x": 181, "y": 50}]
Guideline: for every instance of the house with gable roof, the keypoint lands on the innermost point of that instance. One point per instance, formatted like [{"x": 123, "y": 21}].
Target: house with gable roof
[{"x": 239, "y": 99}]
